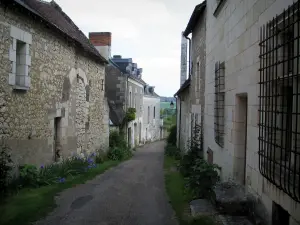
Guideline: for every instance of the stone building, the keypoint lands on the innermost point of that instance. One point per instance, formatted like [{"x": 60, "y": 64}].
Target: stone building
[
  {"x": 52, "y": 85},
  {"x": 251, "y": 103},
  {"x": 183, "y": 107},
  {"x": 190, "y": 97},
  {"x": 152, "y": 127}
]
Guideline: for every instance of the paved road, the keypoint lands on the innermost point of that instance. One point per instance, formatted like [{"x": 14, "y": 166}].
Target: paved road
[{"x": 132, "y": 193}]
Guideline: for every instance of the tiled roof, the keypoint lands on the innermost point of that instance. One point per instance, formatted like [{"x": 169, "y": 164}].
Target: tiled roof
[{"x": 52, "y": 13}]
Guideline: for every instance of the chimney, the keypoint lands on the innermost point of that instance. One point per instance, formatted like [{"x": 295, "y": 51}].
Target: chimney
[
  {"x": 102, "y": 42},
  {"x": 183, "y": 63}
]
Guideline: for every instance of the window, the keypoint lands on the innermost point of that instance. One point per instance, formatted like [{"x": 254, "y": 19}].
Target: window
[
  {"x": 19, "y": 55},
  {"x": 148, "y": 114},
  {"x": 102, "y": 84},
  {"x": 130, "y": 99},
  {"x": 154, "y": 112},
  {"x": 219, "y": 103},
  {"x": 279, "y": 102}
]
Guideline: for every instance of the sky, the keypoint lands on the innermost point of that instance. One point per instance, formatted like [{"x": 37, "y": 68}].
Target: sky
[{"x": 148, "y": 31}]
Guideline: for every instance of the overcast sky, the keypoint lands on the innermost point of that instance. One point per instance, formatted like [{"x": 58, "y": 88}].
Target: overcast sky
[{"x": 146, "y": 30}]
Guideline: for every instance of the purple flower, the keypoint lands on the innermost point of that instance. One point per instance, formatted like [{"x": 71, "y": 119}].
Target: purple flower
[
  {"x": 62, "y": 180},
  {"x": 42, "y": 166},
  {"x": 90, "y": 160},
  {"x": 93, "y": 154}
]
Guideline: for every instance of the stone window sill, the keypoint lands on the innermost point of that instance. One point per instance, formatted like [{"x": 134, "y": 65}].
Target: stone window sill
[
  {"x": 219, "y": 7},
  {"x": 16, "y": 87}
]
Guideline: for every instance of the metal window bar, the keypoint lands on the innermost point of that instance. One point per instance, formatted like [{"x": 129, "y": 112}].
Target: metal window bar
[
  {"x": 279, "y": 124},
  {"x": 219, "y": 103}
]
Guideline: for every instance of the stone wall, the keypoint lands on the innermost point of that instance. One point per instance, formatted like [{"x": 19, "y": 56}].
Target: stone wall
[
  {"x": 151, "y": 128},
  {"x": 232, "y": 37},
  {"x": 136, "y": 89},
  {"x": 65, "y": 85},
  {"x": 183, "y": 119}
]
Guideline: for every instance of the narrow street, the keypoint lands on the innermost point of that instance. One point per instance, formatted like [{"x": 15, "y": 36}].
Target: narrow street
[{"x": 132, "y": 193}]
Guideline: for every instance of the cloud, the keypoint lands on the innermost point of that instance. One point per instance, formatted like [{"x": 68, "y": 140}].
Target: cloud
[{"x": 146, "y": 30}]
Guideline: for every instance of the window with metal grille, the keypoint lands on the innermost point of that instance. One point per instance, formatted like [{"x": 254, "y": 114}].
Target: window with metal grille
[
  {"x": 279, "y": 100},
  {"x": 219, "y": 102}
]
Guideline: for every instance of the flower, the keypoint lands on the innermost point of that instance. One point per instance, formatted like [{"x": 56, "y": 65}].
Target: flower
[
  {"x": 93, "y": 154},
  {"x": 90, "y": 160},
  {"x": 62, "y": 180},
  {"x": 42, "y": 166}
]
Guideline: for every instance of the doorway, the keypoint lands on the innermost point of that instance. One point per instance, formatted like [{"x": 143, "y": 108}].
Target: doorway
[
  {"x": 279, "y": 215},
  {"x": 57, "y": 139},
  {"x": 129, "y": 137},
  {"x": 240, "y": 138}
]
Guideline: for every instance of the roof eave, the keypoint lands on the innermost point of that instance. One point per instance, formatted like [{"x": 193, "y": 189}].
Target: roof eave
[{"x": 194, "y": 18}]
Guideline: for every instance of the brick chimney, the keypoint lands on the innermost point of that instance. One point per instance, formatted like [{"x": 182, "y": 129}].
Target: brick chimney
[{"x": 102, "y": 42}]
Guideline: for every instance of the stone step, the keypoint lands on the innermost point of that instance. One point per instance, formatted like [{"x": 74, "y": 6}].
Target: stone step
[
  {"x": 231, "y": 198},
  {"x": 203, "y": 207},
  {"x": 232, "y": 220}
]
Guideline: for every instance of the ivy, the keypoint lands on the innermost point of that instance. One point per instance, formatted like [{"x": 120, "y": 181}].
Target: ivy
[{"x": 5, "y": 168}]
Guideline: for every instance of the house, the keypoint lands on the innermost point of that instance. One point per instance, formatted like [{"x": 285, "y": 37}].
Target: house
[
  {"x": 190, "y": 96},
  {"x": 52, "y": 85},
  {"x": 251, "y": 104},
  {"x": 124, "y": 88},
  {"x": 152, "y": 123},
  {"x": 184, "y": 129}
]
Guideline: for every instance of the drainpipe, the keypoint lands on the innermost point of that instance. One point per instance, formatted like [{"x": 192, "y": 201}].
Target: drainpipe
[{"x": 190, "y": 42}]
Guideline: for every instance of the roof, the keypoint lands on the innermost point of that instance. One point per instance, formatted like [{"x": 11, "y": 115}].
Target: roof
[
  {"x": 52, "y": 13},
  {"x": 194, "y": 18},
  {"x": 183, "y": 87}
]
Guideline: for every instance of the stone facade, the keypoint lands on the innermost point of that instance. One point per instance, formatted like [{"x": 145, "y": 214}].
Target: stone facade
[
  {"x": 232, "y": 37},
  {"x": 151, "y": 130},
  {"x": 64, "y": 107},
  {"x": 135, "y": 92},
  {"x": 183, "y": 106},
  {"x": 190, "y": 101}
]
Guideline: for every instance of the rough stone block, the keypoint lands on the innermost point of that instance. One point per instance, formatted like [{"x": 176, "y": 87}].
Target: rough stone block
[
  {"x": 201, "y": 207},
  {"x": 231, "y": 198}
]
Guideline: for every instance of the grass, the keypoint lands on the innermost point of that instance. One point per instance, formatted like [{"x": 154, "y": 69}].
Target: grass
[
  {"x": 179, "y": 196},
  {"x": 29, "y": 205}
]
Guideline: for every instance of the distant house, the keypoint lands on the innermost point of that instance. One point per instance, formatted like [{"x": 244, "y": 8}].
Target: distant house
[
  {"x": 152, "y": 127},
  {"x": 52, "y": 85},
  {"x": 190, "y": 96}
]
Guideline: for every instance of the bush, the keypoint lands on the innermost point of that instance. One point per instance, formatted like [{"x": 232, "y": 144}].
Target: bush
[
  {"x": 100, "y": 157},
  {"x": 202, "y": 178},
  {"x": 5, "y": 168},
  {"x": 172, "y": 136},
  {"x": 116, "y": 139},
  {"x": 29, "y": 175},
  {"x": 119, "y": 153},
  {"x": 173, "y": 151}
]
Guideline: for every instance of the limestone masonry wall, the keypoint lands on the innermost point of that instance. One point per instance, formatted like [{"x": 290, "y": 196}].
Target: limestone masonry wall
[{"x": 64, "y": 108}]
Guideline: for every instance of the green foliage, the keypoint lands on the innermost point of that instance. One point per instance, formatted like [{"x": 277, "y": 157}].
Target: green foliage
[
  {"x": 119, "y": 149},
  {"x": 116, "y": 139},
  {"x": 119, "y": 153},
  {"x": 172, "y": 136},
  {"x": 173, "y": 151},
  {"x": 5, "y": 168},
  {"x": 100, "y": 157},
  {"x": 130, "y": 114},
  {"x": 29, "y": 175},
  {"x": 202, "y": 178},
  {"x": 200, "y": 175}
]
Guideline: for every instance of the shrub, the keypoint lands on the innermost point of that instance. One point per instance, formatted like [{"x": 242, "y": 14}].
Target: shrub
[
  {"x": 119, "y": 153},
  {"x": 5, "y": 168},
  {"x": 29, "y": 175},
  {"x": 116, "y": 139},
  {"x": 173, "y": 151},
  {"x": 202, "y": 178},
  {"x": 172, "y": 136},
  {"x": 100, "y": 157}
]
